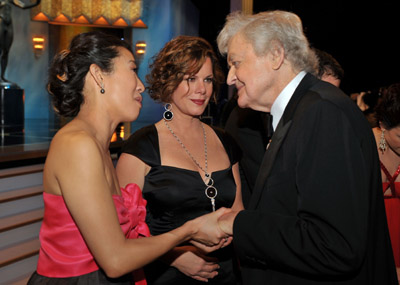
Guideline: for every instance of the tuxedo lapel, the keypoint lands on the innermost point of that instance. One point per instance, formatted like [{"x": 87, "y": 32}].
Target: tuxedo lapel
[{"x": 278, "y": 138}]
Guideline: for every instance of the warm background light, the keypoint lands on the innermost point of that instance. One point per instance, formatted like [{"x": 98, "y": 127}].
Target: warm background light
[
  {"x": 38, "y": 43},
  {"x": 140, "y": 47},
  {"x": 120, "y": 13}
]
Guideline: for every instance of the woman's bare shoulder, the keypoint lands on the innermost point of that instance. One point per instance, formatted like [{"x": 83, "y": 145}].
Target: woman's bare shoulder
[{"x": 73, "y": 139}]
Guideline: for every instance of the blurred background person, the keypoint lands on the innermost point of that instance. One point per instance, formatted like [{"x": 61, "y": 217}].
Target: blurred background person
[
  {"x": 329, "y": 69},
  {"x": 387, "y": 135},
  {"x": 249, "y": 127},
  {"x": 185, "y": 167},
  {"x": 367, "y": 102}
]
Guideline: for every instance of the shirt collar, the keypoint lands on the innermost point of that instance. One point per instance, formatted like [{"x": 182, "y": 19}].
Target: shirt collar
[{"x": 278, "y": 107}]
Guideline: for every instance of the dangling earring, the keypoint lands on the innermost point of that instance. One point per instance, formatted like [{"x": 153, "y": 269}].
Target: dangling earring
[
  {"x": 168, "y": 115},
  {"x": 382, "y": 142},
  {"x": 102, "y": 91}
]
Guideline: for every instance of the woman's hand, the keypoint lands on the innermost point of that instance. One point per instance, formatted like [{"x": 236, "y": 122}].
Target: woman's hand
[
  {"x": 206, "y": 228},
  {"x": 207, "y": 249},
  {"x": 194, "y": 263}
]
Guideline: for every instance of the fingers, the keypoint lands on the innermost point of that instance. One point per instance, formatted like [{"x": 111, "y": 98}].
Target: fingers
[
  {"x": 207, "y": 229},
  {"x": 222, "y": 211},
  {"x": 207, "y": 276},
  {"x": 209, "y": 271},
  {"x": 198, "y": 278},
  {"x": 204, "y": 248},
  {"x": 213, "y": 227},
  {"x": 227, "y": 241}
]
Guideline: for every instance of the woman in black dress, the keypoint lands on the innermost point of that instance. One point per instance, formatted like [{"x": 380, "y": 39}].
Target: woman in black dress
[{"x": 185, "y": 167}]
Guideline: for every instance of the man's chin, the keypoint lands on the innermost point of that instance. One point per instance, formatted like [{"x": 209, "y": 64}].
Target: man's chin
[{"x": 242, "y": 103}]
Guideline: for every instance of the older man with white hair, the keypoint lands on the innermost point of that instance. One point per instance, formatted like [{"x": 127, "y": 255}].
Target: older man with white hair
[{"x": 316, "y": 214}]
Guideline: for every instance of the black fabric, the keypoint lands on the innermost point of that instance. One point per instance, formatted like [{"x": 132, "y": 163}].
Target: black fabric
[
  {"x": 176, "y": 195},
  {"x": 97, "y": 277},
  {"x": 252, "y": 131}
]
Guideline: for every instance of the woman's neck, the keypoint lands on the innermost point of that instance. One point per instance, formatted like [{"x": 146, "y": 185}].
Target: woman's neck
[
  {"x": 390, "y": 156},
  {"x": 99, "y": 125}
]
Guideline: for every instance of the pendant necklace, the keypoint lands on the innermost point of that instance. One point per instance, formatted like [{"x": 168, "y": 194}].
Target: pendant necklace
[{"x": 210, "y": 191}]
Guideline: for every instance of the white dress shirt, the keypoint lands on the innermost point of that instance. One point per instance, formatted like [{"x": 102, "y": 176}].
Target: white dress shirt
[{"x": 278, "y": 107}]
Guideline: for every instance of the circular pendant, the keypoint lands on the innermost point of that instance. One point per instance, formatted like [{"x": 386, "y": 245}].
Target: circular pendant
[
  {"x": 168, "y": 115},
  {"x": 211, "y": 192},
  {"x": 208, "y": 180}
]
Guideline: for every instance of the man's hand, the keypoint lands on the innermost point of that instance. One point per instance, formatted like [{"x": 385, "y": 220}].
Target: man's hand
[
  {"x": 225, "y": 222},
  {"x": 208, "y": 231}
]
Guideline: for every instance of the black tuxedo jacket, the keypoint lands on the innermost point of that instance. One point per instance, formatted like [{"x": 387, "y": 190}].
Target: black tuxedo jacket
[{"x": 316, "y": 214}]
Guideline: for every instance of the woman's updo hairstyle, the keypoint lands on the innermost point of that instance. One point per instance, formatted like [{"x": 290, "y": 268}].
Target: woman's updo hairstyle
[
  {"x": 69, "y": 68},
  {"x": 183, "y": 55},
  {"x": 388, "y": 109}
]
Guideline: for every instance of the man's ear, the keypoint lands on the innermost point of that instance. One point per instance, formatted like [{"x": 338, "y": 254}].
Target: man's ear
[
  {"x": 277, "y": 54},
  {"x": 96, "y": 74}
]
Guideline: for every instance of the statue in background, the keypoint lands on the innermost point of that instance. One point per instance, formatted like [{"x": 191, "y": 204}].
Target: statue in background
[{"x": 6, "y": 32}]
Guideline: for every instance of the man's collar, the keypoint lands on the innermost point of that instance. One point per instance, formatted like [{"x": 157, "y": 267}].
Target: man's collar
[{"x": 278, "y": 107}]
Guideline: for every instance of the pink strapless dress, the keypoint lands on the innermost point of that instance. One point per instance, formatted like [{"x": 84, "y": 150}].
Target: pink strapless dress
[
  {"x": 63, "y": 251},
  {"x": 392, "y": 206}
]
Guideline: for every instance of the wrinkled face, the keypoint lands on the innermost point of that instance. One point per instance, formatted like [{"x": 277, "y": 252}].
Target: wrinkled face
[
  {"x": 392, "y": 137},
  {"x": 124, "y": 87},
  {"x": 194, "y": 92},
  {"x": 252, "y": 75}
]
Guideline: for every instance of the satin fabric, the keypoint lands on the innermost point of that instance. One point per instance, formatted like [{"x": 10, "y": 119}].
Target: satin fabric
[
  {"x": 392, "y": 206},
  {"x": 63, "y": 251},
  {"x": 176, "y": 195}
]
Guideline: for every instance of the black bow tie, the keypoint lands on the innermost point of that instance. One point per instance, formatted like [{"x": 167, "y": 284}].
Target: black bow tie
[{"x": 267, "y": 122}]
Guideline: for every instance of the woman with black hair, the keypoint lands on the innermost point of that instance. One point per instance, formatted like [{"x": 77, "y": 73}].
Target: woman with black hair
[
  {"x": 91, "y": 226},
  {"x": 387, "y": 135}
]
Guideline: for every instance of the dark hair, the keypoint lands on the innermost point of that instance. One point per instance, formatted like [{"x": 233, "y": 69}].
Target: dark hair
[
  {"x": 69, "y": 68},
  {"x": 388, "y": 109},
  {"x": 181, "y": 56},
  {"x": 327, "y": 64}
]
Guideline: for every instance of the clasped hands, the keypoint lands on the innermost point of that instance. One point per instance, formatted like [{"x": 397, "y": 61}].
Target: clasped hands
[{"x": 214, "y": 230}]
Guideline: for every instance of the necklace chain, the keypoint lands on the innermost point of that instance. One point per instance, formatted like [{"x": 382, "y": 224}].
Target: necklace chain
[
  {"x": 210, "y": 191},
  {"x": 187, "y": 151}
]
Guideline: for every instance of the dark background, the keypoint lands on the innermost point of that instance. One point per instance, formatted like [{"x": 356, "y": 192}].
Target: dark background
[{"x": 363, "y": 37}]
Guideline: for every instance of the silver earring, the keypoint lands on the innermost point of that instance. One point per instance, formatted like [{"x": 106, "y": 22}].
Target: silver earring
[
  {"x": 382, "y": 142},
  {"x": 168, "y": 115},
  {"x": 102, "y": 91}
]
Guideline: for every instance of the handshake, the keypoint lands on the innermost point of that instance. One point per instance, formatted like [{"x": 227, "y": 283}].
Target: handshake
[{"x": 212, "y": 231}]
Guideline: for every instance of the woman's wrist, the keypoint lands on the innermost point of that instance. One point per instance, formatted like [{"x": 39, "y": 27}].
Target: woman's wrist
[{"x": 185, "y": 232}]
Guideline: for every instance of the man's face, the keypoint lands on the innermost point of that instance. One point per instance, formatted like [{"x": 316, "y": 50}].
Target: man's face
[{"x": 252, "y": 75}]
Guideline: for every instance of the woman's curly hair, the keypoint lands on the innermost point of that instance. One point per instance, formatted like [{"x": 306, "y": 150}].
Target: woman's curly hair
[
  {"x": 183, "y": 55},
  {"x": 68, "y": 69}
]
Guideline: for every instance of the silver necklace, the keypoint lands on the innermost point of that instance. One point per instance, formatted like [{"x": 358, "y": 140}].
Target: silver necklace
[{"x": 210, "y": 191}]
